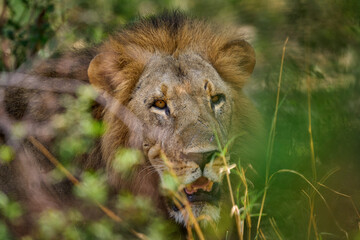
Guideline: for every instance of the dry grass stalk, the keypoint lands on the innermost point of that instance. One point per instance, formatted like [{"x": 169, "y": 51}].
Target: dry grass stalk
[
  {"x": 235, "y": 208},
  {"x": 343, "y": 195},
  {"x": 271, "y": 139},
  {"x": 180, "y": 196},
  {"x": 316, "y": 191},
  {"x": 276, "y": 228},
  {"x": 246, "y": 202},
  {"x": 312, "y": 221}
]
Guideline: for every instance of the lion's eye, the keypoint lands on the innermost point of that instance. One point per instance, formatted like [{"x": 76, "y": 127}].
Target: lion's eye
[
  {"x": 216, "y": 99},
  {"x": 160, "y": 104}
]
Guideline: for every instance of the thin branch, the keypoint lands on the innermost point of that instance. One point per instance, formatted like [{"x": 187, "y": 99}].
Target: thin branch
[{"x": 76, "y": 182}]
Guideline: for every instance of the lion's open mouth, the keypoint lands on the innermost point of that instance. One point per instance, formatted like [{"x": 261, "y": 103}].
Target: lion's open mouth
[{"x": 202, "y": 190}]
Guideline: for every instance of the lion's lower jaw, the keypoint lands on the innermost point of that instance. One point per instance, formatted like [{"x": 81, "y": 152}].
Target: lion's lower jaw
[{"x": 204, "y": 213}]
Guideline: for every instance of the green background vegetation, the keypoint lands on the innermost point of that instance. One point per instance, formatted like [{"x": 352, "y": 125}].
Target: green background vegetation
[{"x": 321, "y": 61}]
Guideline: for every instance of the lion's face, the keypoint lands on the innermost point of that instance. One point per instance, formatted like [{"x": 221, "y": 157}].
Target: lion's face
[
  {"x": 183, "y": 102},
  {"x": 180, "y": 80}
]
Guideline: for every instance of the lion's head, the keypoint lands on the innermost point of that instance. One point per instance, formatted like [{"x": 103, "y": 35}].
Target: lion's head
[{"x": 181, "y": 80}]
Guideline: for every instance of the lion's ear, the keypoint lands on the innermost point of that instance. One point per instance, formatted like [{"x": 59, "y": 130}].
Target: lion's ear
[
  {"x": 243, "y": 54},
  {"x": 114, "y": 73},
  {"x": 100, "y": 72},
  {"x": 235, "y": 61}
]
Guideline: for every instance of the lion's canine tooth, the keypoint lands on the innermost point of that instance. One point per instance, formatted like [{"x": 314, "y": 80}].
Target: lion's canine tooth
[
  {"x": 209, "y": 186},
  {"x": 189, "y": 189}
]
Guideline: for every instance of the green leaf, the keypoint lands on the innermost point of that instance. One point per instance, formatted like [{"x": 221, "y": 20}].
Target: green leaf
[
  {"x": 92, "y": 188},
  {"x": 18, "y": 8},
  {"x": 10, "y": 209},
  {"x": 6, "y": 154},
  {"x": 4, "y": 232},
  {"x": 52, "y": 223},
  {"x": 170, "y": 182},
  {"x": 126, "y": 159}
]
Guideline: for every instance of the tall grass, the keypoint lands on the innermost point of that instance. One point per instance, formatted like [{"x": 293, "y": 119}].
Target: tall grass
[{"x": 271, "y": 140}]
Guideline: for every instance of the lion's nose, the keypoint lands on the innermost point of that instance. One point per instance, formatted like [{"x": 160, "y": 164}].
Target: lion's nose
[
  {"x": 201, "y": 158},
  {"x": 206, "y": 158}
]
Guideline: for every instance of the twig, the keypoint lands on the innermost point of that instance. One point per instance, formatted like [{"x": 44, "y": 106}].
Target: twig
[
  {"x": 53, "y": 160},
  {"x": 76, "y": 182}
]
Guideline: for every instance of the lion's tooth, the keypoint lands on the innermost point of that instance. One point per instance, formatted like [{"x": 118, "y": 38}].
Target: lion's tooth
[
  {"x": 209, "y": 186},
  {"x": 189, "y": 189}
]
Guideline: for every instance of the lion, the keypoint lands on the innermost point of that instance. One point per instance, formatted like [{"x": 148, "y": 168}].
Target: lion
[
  {"x": 182, "y": 77},
  {"x": 181, "y": 81}
]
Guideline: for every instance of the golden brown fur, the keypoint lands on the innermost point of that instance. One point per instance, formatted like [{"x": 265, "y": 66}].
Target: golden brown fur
[{"x": 129, "y": 50}]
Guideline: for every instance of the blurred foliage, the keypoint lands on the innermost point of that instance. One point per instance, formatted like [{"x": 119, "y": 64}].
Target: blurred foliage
[
  {"x": 4, "y": 233},
  {"x": 126, "y": 159},
  {"x": 93, "y": 188},
  {"x": 170, "y": 182},
  {"x": 323, "y": 53},
  {"x": 25, "y": 28},
  {"x": 77, "y": 139},
  {"x": 6, "y": 153},
  {"x": 8, "y": 208}
]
